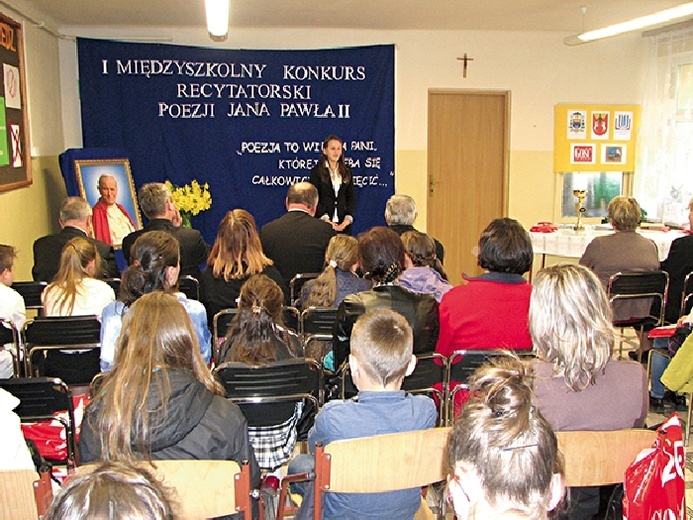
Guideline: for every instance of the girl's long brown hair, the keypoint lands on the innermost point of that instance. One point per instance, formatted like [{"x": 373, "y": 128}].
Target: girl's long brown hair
[
  {"x": 342, "y": 250},
  {"x": 157, "y": 336},
  {"x": 344, "y": 171}
]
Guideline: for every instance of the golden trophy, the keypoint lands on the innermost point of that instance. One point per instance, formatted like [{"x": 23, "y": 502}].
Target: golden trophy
[{"x": 581, "y": 195}]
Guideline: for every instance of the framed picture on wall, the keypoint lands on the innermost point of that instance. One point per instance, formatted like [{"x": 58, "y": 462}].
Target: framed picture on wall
[
  {"x": 90, "y": 172},
  {"x": 15, "y": 158}
]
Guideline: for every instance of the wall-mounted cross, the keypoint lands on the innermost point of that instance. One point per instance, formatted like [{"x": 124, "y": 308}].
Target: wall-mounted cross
[{"x": 465, "y": 59}]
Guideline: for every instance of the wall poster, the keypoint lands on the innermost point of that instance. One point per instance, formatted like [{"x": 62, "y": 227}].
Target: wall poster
[
  {"x": 593, "y": 138},
  {"x": 15, "y": 159}
]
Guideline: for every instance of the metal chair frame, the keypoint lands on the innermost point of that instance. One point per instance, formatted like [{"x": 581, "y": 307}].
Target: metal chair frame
[
  {"x": 634, "y": 286},
  {"x": 59, "y": 333},
  {"x": 317, "y": 323},
  {"x": 687, "y": 295},
  {"x": 40, "y": 399},
  {"x": 9, "y": 335},
  {"x": 296, "y": 285}
]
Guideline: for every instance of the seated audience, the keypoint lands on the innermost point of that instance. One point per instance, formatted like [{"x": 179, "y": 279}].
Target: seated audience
[
  {"x": 14, "y": 453},
  {"x": 75, "y": 221},
  {"x": 400, "y": 214},
  {"x": 623, "y": 251},
  {"x": 158, "y": 206},
  {"x": 339, "y": 278},
  {"x": 664, "y": 398},
  {"x": 235, "y": 257},
  {"x": 503, "y": 455},
  {"x": 423, "y": 272},
  {"x": 577, "y": 384},
  {"x": 114, "y": 491},
  {"x": 381, "y": 258},
  {"x": 12, "y": 306},
  {"x": 76, "y": 292},
  {"x": 156, "y": 265},
  {"x": 381, "y": 357},
  {"x": 256, "y": 337},
  {"x": 490, "y": 311},
  {"x": 678, "y": 375},
  {"x": 160, "y": 401}
]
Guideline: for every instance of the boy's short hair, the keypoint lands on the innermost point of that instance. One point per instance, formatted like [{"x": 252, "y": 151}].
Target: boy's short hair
[
  {"x": 383, "y": 342},
  {"x": 7, "y": 256}
]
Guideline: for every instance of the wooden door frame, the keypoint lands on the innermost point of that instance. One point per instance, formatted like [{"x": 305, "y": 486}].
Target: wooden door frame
[{"x": 506, "y": 140}]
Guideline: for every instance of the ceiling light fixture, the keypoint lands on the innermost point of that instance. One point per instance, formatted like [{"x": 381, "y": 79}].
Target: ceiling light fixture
[
  {"x": 660, "y": 17},
  {"x": 217, "y": 19}
]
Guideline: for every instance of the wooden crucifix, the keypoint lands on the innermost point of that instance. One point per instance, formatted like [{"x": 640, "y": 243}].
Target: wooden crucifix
[{"x": 465, "y": 59}]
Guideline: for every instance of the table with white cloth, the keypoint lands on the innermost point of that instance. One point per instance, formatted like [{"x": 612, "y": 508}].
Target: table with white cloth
[{"x": 568, "y": 243}]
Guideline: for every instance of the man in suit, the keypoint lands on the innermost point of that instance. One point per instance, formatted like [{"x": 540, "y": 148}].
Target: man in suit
[
  {"x": 158, "y": 206},
  {"x": 297, "y": 241},
  {"x": 400, "y": 214},
  {"x": 75, "y": 221}
]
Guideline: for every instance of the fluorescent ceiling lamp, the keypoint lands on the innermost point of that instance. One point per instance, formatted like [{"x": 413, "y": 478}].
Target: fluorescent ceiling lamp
[
  {"x": 660, "y": 17},
  {"x": 217, "y": 19}
]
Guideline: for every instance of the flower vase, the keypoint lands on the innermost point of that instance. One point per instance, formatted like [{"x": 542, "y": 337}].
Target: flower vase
[{"x": 186, "y": 219}]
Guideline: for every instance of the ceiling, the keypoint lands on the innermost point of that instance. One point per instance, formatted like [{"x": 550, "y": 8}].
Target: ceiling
[{"x": 66, "y": 16}]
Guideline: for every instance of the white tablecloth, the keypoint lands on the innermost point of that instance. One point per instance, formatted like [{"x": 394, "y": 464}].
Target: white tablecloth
[{"x": 568, "y": 243}]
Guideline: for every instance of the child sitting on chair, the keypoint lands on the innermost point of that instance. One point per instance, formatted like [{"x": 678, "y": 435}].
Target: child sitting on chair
[
  {"x": 11, "y": 305},
  {"x": 381, "y": 356}
]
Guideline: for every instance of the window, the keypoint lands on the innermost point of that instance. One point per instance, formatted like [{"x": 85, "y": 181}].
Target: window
[{"x": 601, "y": 188}]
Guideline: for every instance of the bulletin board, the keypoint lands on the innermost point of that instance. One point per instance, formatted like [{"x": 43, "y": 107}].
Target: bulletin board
[
  {"x": 599, "y": 138},
  {"x": 15, "y": 159}
]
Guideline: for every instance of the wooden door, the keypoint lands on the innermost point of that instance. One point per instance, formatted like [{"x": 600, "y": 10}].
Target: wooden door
[{"x": 467, "y": 171}]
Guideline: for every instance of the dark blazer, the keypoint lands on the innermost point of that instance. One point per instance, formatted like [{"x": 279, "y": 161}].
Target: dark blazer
[
  {"x": 401, "y": 228},
  {"x": 678, "y": 264},
  {"x": 296, "y": 242},
  {"x": 193, "y": 248},
  {"x": 345, "y": 201},
  {"x": 47, "y": 251}
]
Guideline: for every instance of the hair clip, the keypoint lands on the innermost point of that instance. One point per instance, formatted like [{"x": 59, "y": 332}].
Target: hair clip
[
  {"x": 333, "y": 264},
  {"x": 520, "y": 447},
  {"x": 256, "y": 309}
]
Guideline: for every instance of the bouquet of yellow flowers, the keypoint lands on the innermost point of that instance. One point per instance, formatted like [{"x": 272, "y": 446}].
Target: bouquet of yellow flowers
[{"x": 190, "y": 199}]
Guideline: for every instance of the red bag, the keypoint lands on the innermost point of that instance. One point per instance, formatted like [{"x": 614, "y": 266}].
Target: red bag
[{"x": 655, "y": 487}]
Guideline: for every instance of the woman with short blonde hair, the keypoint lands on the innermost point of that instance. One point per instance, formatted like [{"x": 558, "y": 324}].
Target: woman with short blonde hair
[{"x": 577, "y": 385}]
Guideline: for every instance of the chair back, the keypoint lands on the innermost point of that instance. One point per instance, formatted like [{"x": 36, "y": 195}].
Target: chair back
[
  {"x": 599, "y": 458},
  {"x": 189, "y": 286},
  {"x": 22, "y": 497},
  {"x": 202, "y": 488},
  {"x": 381, "y": 463},
  {"x": 296, "y": 286},
  {"x": 60, "y": 333},
  {"x": 9, "y": 335},
  {"x": 291, "y": 318},
  {"x": 687, "y": 296},
  {"x": 277, "y": 386},
  {"x": 221, "y": 322},
  {"x": 639, "y": 285},
  {"x": 31, "y": 292},
  {"x": 40, "y": 399},
  {"x": 317, "y": 322}
]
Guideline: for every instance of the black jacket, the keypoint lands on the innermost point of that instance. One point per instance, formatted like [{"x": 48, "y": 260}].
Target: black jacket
[
  {"x": 47, "y": 251},
  {"x": 344, "y": 202},
  {"x": 420, "y": 310},
  {"x": 193, "y": 248},
  {"x": 296, "y": 242},
  {"x": 678, "y": 264},
  {"x": 197, "y": 425}
]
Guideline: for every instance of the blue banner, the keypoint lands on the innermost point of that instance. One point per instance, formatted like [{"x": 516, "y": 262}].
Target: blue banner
[{"x": 248, "y": 123}]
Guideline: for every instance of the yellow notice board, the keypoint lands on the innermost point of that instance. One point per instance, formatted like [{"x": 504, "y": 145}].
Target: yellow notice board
[{"x": 593, "y": 138}]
